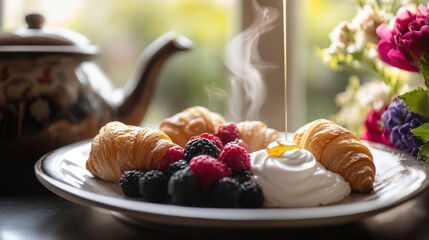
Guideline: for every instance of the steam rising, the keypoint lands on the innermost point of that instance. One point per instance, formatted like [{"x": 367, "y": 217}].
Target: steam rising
[{"x": 248, "y": 90}]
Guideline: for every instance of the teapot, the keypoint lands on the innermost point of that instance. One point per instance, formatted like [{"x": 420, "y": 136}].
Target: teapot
[{"x": 53, "y": 94}]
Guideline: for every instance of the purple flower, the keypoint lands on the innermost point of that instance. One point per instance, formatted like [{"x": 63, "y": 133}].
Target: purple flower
[
  {"x": 403, "y": 46},
  {"x": 399, "y": 121}
]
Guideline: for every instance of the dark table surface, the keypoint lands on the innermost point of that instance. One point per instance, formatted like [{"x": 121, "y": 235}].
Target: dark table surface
[{"x": 39, "y": 214}]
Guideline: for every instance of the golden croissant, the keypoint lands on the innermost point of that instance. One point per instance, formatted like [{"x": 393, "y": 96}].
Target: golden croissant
[
  {"x": 340, "y": 151},
  {"x": 119, "y": 147},
  {"x": 256, "y": 135},
  {"x": 190, "y": 122}
]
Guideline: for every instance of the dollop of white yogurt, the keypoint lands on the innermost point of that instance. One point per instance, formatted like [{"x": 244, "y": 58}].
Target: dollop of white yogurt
[{"x": 296, "y": 179}]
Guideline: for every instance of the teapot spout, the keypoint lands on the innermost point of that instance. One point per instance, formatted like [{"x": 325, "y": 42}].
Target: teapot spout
[{"x": 132, "y": 101}]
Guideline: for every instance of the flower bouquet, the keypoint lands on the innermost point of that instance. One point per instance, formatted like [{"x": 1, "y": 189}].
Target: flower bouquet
[{"x": 389, "y": 40}]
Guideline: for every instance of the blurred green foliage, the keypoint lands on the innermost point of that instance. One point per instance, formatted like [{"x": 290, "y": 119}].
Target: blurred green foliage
[
  {"x": 319, "y": 18},
  {"x": 188, "y": 78}
]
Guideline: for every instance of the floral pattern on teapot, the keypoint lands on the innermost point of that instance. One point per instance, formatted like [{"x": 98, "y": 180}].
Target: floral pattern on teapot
[{"x": 36, "y": 96}]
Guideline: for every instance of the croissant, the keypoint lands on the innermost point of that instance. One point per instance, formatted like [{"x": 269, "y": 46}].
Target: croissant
[
  {"x": 119, "y": 147},
  {"x": 340, "y": 151},
  {"x": 190, "y": 122},
  {"x": 256, "y": 135}
]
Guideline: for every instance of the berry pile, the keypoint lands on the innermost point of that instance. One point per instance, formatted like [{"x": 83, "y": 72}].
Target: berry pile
[{"x": 213, "y": 170}]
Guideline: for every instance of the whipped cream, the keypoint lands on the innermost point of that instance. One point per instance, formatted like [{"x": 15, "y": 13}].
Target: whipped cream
[{"x": 295, "y": 179}]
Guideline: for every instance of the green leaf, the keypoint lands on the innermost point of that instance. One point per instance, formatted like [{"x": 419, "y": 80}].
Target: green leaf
[
  {"x": 423, "y": 154},
  {"x": 424, "y": 68},
  {"x": 422, "y": 132},
  {"x": 417, "y": 101}
]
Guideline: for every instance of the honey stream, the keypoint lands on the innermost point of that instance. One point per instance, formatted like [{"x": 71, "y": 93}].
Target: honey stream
[{"x": 285, "y": 64}]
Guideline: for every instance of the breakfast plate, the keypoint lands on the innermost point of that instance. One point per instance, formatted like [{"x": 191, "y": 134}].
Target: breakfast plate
[{"x": 399, "y": 177}]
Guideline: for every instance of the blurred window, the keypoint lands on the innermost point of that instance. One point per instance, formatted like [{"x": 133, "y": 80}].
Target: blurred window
[{"x": 122, "y": 29}]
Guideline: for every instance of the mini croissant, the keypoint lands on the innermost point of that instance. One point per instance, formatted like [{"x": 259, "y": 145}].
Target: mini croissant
[
  {"x": 256, "y": 135},
  {"x": 190, "y": 122},
  {"x": 119, "y": 147},
  {"x": 340, "y": 151}
]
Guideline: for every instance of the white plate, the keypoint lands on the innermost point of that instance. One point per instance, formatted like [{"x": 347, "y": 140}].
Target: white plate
[{"x": 400, "y": 177}]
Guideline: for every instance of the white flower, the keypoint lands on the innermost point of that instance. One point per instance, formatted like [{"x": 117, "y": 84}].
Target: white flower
[
  {"x": 39, "y": 109},
  {"x": 367, "y": 20},
  {"x": 372, "y": 54},
  {"x": 357, "y": 100},
  {"x": 374, "y": 94},
  {"x": 341, "y": 36}
]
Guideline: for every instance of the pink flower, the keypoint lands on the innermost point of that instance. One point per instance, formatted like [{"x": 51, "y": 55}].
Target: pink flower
[
  {"x": 374, "y": 131},
  {"x": 403, "y": 46}
]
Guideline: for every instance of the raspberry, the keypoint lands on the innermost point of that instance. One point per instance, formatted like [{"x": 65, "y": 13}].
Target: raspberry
[
  {"x": 225, "y": 193},
  {"x": 235, "y": 157},
  {"x": 172, "y": 155},
  {"x": 129, "y": 182},
  {"x": 228, "y": 132},
  {"x": 183, "y": 188},
  {"x": 208, "y": 170},
  {"x": 240, "y": 143},
  {"x": 176, "y": 166},
  {"x": 242, "y": 176},
  {"x": 153, "y": 186},
  {"x": 211, "y": 137},
  {"x": 200, "y": 146},
  {"x": 251, "y": 195}
]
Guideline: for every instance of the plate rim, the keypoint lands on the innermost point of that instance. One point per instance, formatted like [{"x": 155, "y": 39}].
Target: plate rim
[{"x": 214, "y": 217}]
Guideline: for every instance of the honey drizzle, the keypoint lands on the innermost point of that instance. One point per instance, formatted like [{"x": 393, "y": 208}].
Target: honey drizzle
[
  {"x": 285, "y": 63},
  {"x": 277, "y": 148}
]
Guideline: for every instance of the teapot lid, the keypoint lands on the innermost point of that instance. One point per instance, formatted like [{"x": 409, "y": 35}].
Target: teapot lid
[{"x": 36, "y": 38}]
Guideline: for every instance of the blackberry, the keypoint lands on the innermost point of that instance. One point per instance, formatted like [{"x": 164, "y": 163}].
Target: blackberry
[
  {"x": 153, "y": 186},
  {"x": 225, "y": 193},
  {"x": 212, "y": 138},
  {"x": 129, "y": 182},
  {"x": 183, "y": 187},
  {"x": 242, "y": 176},
  {"x": 176, "y": 166},
  {"x": 200, "y": 146},
  {"x": 251, "y": 195}
]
